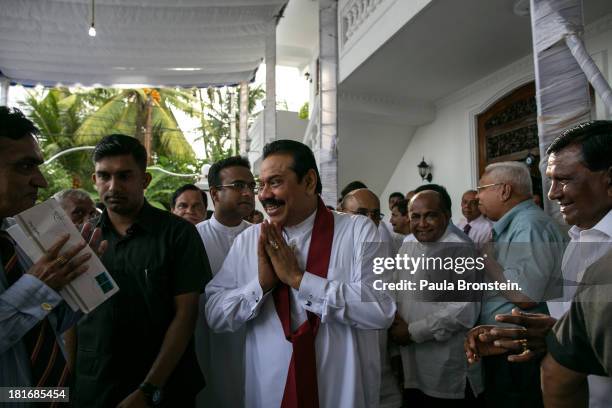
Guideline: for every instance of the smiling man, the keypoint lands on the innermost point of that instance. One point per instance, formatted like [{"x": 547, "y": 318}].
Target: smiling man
[
  {"x": 221, "y": 355},
  {"x": 136, "y": 349},
  {"x": 430, "y": 333},
  {"x": 296, "y": 285}
]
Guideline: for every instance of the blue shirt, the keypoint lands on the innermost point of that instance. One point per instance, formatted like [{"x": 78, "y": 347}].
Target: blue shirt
[
  {"x": 529, "y": 246},
  {"x": 22, "y": 305}
]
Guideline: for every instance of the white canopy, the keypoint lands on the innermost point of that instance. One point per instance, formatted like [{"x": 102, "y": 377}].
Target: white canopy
[{"x": 139, "y": 42}]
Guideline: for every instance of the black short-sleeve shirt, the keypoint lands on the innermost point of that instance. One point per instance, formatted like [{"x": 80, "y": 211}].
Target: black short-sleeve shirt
[
  {"x": 161, "y": 256},
  {"x": 582, "y": 339}
]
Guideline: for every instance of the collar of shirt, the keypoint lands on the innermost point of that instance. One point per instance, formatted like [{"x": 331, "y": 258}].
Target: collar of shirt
[
  {"x": 300, "y": 229},
  {"x": 504, "y": 222},
  {"x": 233, "y": 231},
  {"x": 145, "y": 219},
  {"x": 600, "y": 232}
]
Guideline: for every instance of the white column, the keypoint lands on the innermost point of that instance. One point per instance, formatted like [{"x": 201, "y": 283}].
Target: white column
[
  {"x": 270, "y": 105},
  {"x": 4, "y": 90},
  {"x": 233, "y": 133},
  {"x": 325, "y": 150},
  {"x": 244, "y": 116},
  {"x": 562, "y": 95}
]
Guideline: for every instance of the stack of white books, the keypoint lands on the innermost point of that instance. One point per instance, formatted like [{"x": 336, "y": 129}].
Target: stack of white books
[{"x": 38, "y": 228}]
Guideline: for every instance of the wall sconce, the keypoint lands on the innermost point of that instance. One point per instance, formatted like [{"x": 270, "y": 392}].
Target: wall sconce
[{"x": 425, "y": 170}]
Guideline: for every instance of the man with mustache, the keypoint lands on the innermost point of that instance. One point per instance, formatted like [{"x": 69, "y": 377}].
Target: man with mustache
[
  {"x": 232, "y": 188},
  {"x": 136, "y": 349},
  {"x": 189, "y": 202},
  {"x": 297, "y": 285},
  {"x": 32, "y": 313}
]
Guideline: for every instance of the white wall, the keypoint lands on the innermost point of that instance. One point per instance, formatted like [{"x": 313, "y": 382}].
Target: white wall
[
  {"x": 449, "y": 142},
  {"x": 369, "y": 151}
]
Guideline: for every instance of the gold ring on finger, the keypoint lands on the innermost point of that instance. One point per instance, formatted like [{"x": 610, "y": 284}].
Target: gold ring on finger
[
  {"x": 524, "y": 345},
  {"x": 61, "y": 261},
  {"x": 274, "y": 244}
]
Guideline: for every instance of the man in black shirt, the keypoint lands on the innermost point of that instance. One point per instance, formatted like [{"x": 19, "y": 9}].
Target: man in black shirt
[{"x": 136, "y": 349}]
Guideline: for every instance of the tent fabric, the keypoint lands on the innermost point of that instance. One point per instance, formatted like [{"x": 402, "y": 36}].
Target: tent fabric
[{"x": 145, "y": 42}]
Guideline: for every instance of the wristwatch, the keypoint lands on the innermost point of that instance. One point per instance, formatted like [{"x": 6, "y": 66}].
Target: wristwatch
[{"x": 152, "y": 393}]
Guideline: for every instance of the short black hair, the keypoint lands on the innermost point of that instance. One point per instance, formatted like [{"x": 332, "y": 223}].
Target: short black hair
[
  {"x": 352, "y": 186},
  {"x": 303, "y": 159},
  {"x": 14, "y": 125},
  {"x": 119, "y": 145},
  {"x": 594, "y": 139},
  {"x": 402, "y": 206},
  {"x": 396, "y": 194},
  {"x": 445, "y": 199},
  {"x": 188, "y": 187},
  {"x": 214, "y": 179}
]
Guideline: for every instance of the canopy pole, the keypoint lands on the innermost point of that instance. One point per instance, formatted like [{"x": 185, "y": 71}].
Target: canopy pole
[
  {"x": 325, "y": 148},
  {"x": 4, "y": 90},
  {"x": 244, "y": 116},
  {"x": 562, "y": 94},
  {"x": 270, "y": 105}
]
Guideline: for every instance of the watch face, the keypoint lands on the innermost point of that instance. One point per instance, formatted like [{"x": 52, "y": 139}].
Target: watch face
[{"x": 156, "y": 397}]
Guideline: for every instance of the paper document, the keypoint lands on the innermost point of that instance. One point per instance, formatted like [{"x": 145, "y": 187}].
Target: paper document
[{"x": 36, "y": 231}]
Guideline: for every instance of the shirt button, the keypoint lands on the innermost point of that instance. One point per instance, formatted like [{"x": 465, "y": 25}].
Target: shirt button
[
  {"x": 256, "y": 300},
  {"x": 46, "y": 307},
  {"x": 309, "y": 303}
]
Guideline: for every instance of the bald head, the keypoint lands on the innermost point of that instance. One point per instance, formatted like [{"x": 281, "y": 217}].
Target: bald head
[
  {"x": 362, "y": 201},
  {"x": 428, "y": 216}
]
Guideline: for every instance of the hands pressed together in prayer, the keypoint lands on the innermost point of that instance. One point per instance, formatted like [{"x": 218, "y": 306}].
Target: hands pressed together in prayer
[
  {"x": 56, "y": 270},
  {"x": 277, "y": 261},
  {"x": 523, "y": 343}
]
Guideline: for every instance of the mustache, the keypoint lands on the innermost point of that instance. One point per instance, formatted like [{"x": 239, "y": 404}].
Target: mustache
[
  {"x": 113, "y": 195},
  {"x": 271, "y": 201}
]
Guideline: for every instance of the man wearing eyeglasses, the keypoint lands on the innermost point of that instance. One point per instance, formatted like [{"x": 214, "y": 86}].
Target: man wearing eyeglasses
[
  {"x": 528, "y": 250},
  {"x": 364, "y": 202},
  {"x": 232, "y": 188}
]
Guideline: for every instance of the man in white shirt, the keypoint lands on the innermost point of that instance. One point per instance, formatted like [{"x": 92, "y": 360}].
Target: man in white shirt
[
  {"x": 232, "y": 188},
  {"x": 364, "y": 202},
  {"x": 475, "y": 225},
  {"x": 296, "y": 284},
  {"x": 431, "y": 333}
]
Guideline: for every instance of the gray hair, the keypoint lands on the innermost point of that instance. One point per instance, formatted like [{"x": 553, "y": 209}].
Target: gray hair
[
  {"x": 510, "y": 172},
  {"x": 78, "y": 194}
]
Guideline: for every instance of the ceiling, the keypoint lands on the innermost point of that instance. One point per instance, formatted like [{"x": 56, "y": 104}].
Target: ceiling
[
  {"x": 297, "y": 35},
  {"x": 144, "y": 42},
  {"x": 447, "y": 46}
]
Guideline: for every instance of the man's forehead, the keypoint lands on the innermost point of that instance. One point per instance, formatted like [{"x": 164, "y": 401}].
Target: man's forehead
[
  {"x": 470, "y": 195},
  {"x": 276, "y": 164},
  {"x": 190, "y": 195},
  {"x": 236, "y": 173},
  {"x": 117, "y": 164},
  {"x": 23, "y": 148}
]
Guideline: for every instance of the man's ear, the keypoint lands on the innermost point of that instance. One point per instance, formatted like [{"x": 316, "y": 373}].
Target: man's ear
[
  {"x": 213, "y": 194},
  {"x": 311, "y": 181},
  {"x": 506, "y": 192},
  {"x": 147, "y": 179},
  {"x": 93, "y": 178},
  {"x": 609, "y": 180}
]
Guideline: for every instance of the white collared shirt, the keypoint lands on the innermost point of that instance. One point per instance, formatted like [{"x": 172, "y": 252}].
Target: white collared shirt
[
  {"x": 435, "y": 361},
  {"x": 585, "y": 248},
  {"x": 480, "y": 231},
  {"x": 348, "y": 366},
  {"x": 221, "y": 355}
]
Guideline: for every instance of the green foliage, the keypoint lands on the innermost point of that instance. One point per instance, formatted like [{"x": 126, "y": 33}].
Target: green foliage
[
  {"x": 162, "y": 186},
  {"x": 58, "y": 178},
  {"x": 303, "y": 113}
]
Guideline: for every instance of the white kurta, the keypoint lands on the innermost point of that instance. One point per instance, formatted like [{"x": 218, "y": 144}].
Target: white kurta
[
  {"x": 221, "y": 355},
  {"x": 435, "y": 361},
  {"x": 348, "y": 362},
  {"x": 480, "y": 232},
  {"x": 584, "y": 249}
]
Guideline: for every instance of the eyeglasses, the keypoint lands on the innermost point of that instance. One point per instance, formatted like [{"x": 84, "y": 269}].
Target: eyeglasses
[
  {"x": 374, "y": 214},
  {"x": 488, "y": 185},
  {"x": 240, "y": 186}
]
